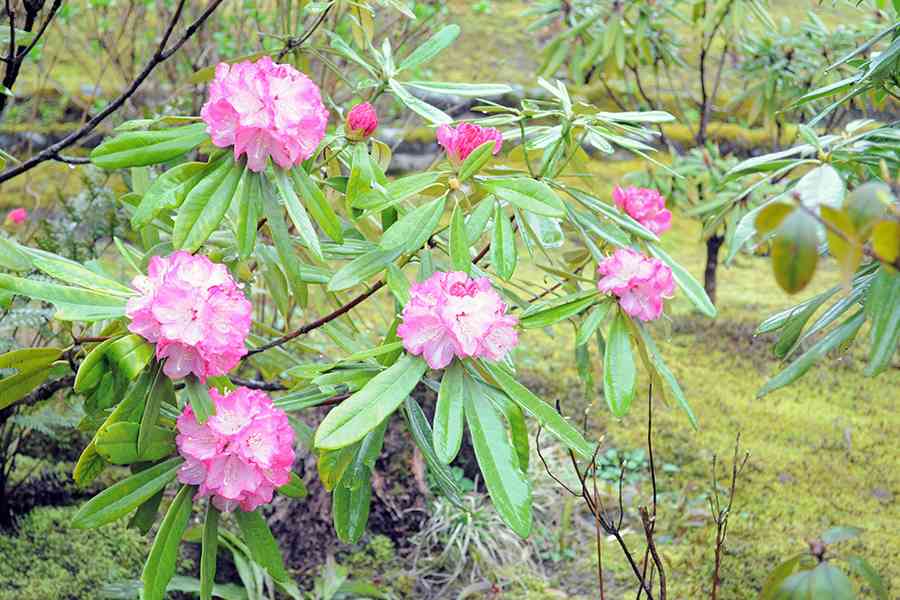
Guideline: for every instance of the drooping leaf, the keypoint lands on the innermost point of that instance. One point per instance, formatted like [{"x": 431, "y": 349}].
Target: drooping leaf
[
  {"x": 795, "y": 252},
  {"x": 209, "y": 547},
  {"x": 206, "y": 205},
  {"x": 690, "y": 286},
  {"x": 883, "y": 312},
  {"x": 448, "y": 412},
  {"x": 503, "y": 245},
  {"x": 619, "y": 372},
  {"x": 263, "y": 547},
  {"x": 160, "y": 565}
]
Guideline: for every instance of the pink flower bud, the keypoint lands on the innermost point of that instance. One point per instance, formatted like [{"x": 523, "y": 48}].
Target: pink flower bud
[
  {"x": 460, "y": 142},
  {"x": 17, "y": 216},
  {"x": 361, "y": 122},
  {"x": 194, "y": 312},
  {"x": 264, "y": 109},
  {"x": 640, "y": 283},
  {"x": 646, "y": 206},
  {"x": 450, "y": 315},
  {"x": 241, "y": 455}
]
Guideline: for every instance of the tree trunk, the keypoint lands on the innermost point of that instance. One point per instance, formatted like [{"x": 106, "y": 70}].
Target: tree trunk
[
  {"x": 6, "y": 518},
  {"x": 713, "y": 244}
]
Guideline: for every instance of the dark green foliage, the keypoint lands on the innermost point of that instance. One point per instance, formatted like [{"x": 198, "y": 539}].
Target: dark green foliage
[{"x": 46, "y": 559}]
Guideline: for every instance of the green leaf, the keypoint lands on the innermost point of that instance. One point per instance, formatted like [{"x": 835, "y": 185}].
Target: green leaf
[
  {"x": 160, "y": 565},
  {"x": 619, "y": 372},
  {"x": 503, "y": 245},
  {"x": 28, "y": 359},
  {"x": 553, "y": 311},
  {"x": 448, "y": 413},
  {"x": 477, "y": 159},
  {"x": 352, "y": 419},
  {"x": 836, "y": 337},
  {"x": 205, "y": 206},
  {"x": 118, "y": 443},
  {"x": 396, "y": 191},
  {"x": 824, "y": 581},
  {"x": 618, "y": 217},
  {"x": 591, "y": 322},
  {"x": 154, "y": 399},
  {"x": 284, "y": 245},
  {"x": 73, "y": 304},
  {"x": 168, "y": 191},
  {"x": 295, "y": 488},
  {"x": 318, "y": 205},
  {"x": 411, "y": 231},
  {"x": 398, "y": 284},
  {"x": 144, "y": 518},
  {"x": 882, "y": 310},
  {"x": 461, "y": 89},
  {"x": 129, "y": 354},
  {"x": 13, "y": 256},
  {"x": 478, "y": 219},
  {"x": 776, "y": 577},
  {"x": 422, "y": 436},
  {"x": 690, "y": 286},
  {"x": 297, "y": 213},
  {"x": 459, "y": 242},
  {"x": 875, "y": 582},
  {"x": 420, "y": 107},
  {"x": 350, "y": 508},
  {"x": 836, "y": 535},
  {"x": 332, "y": 464},
  {"x": 121, "y": 498},
  {"x": 430, "y": 48},
  {"x": 15, "y": 387},
  {"x": 263, "y": 547},
  {"x": 795, "y": 251},
  {"x": 546, "y": 415},
  {"x": 249, "y": 202},
  {"x": 141, "y": 148},
  {"x": 508, "y": 487},
  {"x": 527, "y": 194},
  {"x": 198, "y": 397},
  {"x": 666, "y": 374},
  {"x": 75, "y": 273},
  {"x": 359, "y": 269},
  {"x": 209, "y": 547},
  {"x": 515, "y": 417}
]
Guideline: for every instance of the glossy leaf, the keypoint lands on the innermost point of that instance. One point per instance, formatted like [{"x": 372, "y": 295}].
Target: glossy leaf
[
  {"x": 503, "y": 245},
  {"x": 199, "y": 399},
  {"x": 591, "y": 322},
  {"x": 422, "y": 436},
  {"x": 121, "y": 498},
  {"x": 263, "y": 547},
  {"x": 619, "y": 372},
  {"x": 508, "y": 487},
  {"x": 546, "y": 415},
  {"x": 448, "y": 412},
  {"x": 167, "y": 191},
  {"x": 160, "y": 565},
  {"x": 415, "y": 227},
  {"x": 205, "y": 206},
  {"x": 72, "y": 303},
  {"x": 351, "y": 420},
  {"x": 527, "y": 194},
  {"x": 297, "y": 213},
  {"x": 547, "y": 313},
  {"x": 477, "y": 159},
  {"x": 433, "y": 46},
  {"x": 360, "y": 269},
  {"x": 883, "y": 310},
  {"x": 795, "y": 252},
  {"x": 118, "y": 443},
  {"x": 459, "y": 242},
  {"x": 209, "y": 547},
  {"x": 140, "y": 148}
]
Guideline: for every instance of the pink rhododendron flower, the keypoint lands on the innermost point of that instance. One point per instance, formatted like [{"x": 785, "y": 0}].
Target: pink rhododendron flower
[
  {"x": 450, "y": 314},
  {"x": 460, "y": 142},
  {"x": 17, "y": 216},
  {"x": 646, "y": 206},
  {"x": 241, "y": 454},
  {"x": 361, "y": 122},
  {"x": 641, "y": 283},
  {"x": 265, "y": 109},
  {"x": 192, "y": 309}
]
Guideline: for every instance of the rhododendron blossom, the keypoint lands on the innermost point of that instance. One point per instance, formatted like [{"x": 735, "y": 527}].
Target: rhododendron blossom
[
  {"x": 17, "y": 216},
  {"x": 361, "y": 122},
  {"x": 450, "y": 314},
  {"x": 194, "y": 312},
  {"x": 242, "y": 454},
  {"x": 460, "y": 142},
  {"x": 641, "y": 283},
  {"x": 265, "y": 109},
  {"x": 646, "y": 206}
]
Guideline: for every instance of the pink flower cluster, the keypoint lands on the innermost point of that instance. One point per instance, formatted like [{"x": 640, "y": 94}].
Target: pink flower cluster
[
  {"x": 241, "y": 454},
  {"x": 16, "y": 216},
  {"x": 194, "y": 312},
  {"x": 265, "y": 109},
  {"x": 450, "y": 314},
  {"x": 646, "y": 206},
  {"x": 641, "y": 283},
  {"x": 361, "y": 122},
  {"x": 460, "y": 142}
]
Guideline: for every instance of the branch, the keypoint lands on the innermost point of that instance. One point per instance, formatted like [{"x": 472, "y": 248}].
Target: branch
[
  {"x": 42, "y": 392},
  {"x": 293, "y": 44},
  {"x": 161, "y": 55}
]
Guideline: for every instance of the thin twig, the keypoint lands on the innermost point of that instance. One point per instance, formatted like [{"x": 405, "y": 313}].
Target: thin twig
[{"x": 161, "y": 55}]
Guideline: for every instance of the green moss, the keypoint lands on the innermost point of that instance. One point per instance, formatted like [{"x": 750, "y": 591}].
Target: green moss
[
  {"x": 48, "y": 560},
  {"x": 822, "y": 450}
]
